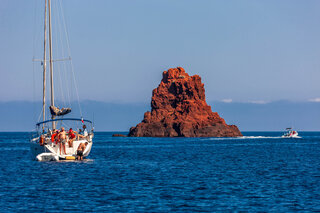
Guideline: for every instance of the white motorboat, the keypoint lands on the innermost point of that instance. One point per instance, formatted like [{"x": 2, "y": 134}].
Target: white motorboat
[
  {"x": 47, "y": 144},
  {"x": 290, "y": 133}
]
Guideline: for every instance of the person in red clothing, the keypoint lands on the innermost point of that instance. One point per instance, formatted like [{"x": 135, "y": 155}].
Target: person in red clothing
[
  {"x": 72, "y": 137},
  {"x": 54, "y": 137}
]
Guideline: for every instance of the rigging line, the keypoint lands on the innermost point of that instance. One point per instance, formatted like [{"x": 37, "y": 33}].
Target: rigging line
[
  {"x": 54, "y": 44},
  {"x": 77, "y": 93},
  {"x": 34, "y": 91},
  {"x": 69, "y": 52},
  {"x": 35, "y": 38},
  {"x": 60, "y": 71},
  {"x": 68, "y": 90},
  {"x": 57, "y": 50},
  {"x": 65, "y": 64},
  {"x": 40, "y": 114},
  {"x": 65, "y": 125},
  {"x": 33, "y": 55},
  {"x": 34, "y": 30},
  {"x": 33, "y": 75},
  {"x": 37, "y": 25},
  {"x": 56, "y": 76},
  {"x": 63, "y": 54}
]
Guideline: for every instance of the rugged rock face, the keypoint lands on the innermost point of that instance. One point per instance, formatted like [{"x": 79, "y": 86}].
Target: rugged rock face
[
  {"x": 179, "y": 109},
  {"x": 119, "y": 135}
]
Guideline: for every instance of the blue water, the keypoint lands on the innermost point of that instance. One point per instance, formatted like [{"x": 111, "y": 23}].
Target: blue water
[{"x": 166, "y": 175}]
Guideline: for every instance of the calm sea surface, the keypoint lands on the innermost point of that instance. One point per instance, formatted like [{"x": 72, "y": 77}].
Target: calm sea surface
[{"x": 166, "y": 174}]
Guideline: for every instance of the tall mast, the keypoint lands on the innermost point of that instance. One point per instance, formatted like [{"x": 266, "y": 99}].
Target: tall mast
[
  {"x": 50, "y": 60},
  {"x": 44, "y": 65}
]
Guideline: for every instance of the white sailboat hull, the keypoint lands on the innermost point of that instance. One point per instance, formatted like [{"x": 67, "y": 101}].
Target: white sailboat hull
[{"x": 37, "y": 150}]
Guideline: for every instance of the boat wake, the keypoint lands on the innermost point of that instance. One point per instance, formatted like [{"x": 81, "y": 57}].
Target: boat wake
[
  {"x": 265, "y": 137},
  {"x": 258, "y": 137},
  {"x": 248, "y": 137}
]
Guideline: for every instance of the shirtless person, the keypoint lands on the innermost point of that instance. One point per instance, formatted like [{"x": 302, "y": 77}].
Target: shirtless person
[
  {"x": 63, "y": 139},
  {"x": 80, "y": 150}
]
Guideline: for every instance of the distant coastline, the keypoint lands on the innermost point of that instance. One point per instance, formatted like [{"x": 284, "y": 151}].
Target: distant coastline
[{"x": 274, "y": 116}]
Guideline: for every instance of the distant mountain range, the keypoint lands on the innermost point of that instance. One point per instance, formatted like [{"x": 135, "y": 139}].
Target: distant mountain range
[{"x": 273, "y": 116}]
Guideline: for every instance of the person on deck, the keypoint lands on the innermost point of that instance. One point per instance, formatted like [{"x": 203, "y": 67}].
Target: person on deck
[
  {"x": 80, "y": 150},
  {"x": 72, "y": 137},
  {"x": 54, "y": 136},
  {"x": 85, "y": 132},
  {"x": 63, "y": 139}
]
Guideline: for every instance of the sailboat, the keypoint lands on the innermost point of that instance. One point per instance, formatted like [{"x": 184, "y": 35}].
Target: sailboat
[{"x": 55, "y": 138}]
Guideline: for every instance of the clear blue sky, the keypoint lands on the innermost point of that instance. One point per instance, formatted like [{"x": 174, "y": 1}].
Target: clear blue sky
[{"x": 243, "y": 50}]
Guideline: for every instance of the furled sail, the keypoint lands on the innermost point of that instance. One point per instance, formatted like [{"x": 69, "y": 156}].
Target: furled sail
[{"x": 55, "y": 111}]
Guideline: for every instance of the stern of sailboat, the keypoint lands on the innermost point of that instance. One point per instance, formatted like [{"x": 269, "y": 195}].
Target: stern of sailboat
[{"x": 47, "y": 145}]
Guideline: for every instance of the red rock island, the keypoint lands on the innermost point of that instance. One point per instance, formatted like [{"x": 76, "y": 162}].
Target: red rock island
[{"x": 179, "y": 109}]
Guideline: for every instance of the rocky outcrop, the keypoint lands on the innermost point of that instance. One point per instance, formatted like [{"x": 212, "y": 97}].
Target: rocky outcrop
[
  {"x": 179, "y": 109},
  {"x": 119, "y": 135}
]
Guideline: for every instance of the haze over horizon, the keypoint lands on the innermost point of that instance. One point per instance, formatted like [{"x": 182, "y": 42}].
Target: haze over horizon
[
  {"x": 273, "y": 116},
  {"x": 248, "y": 51}
]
